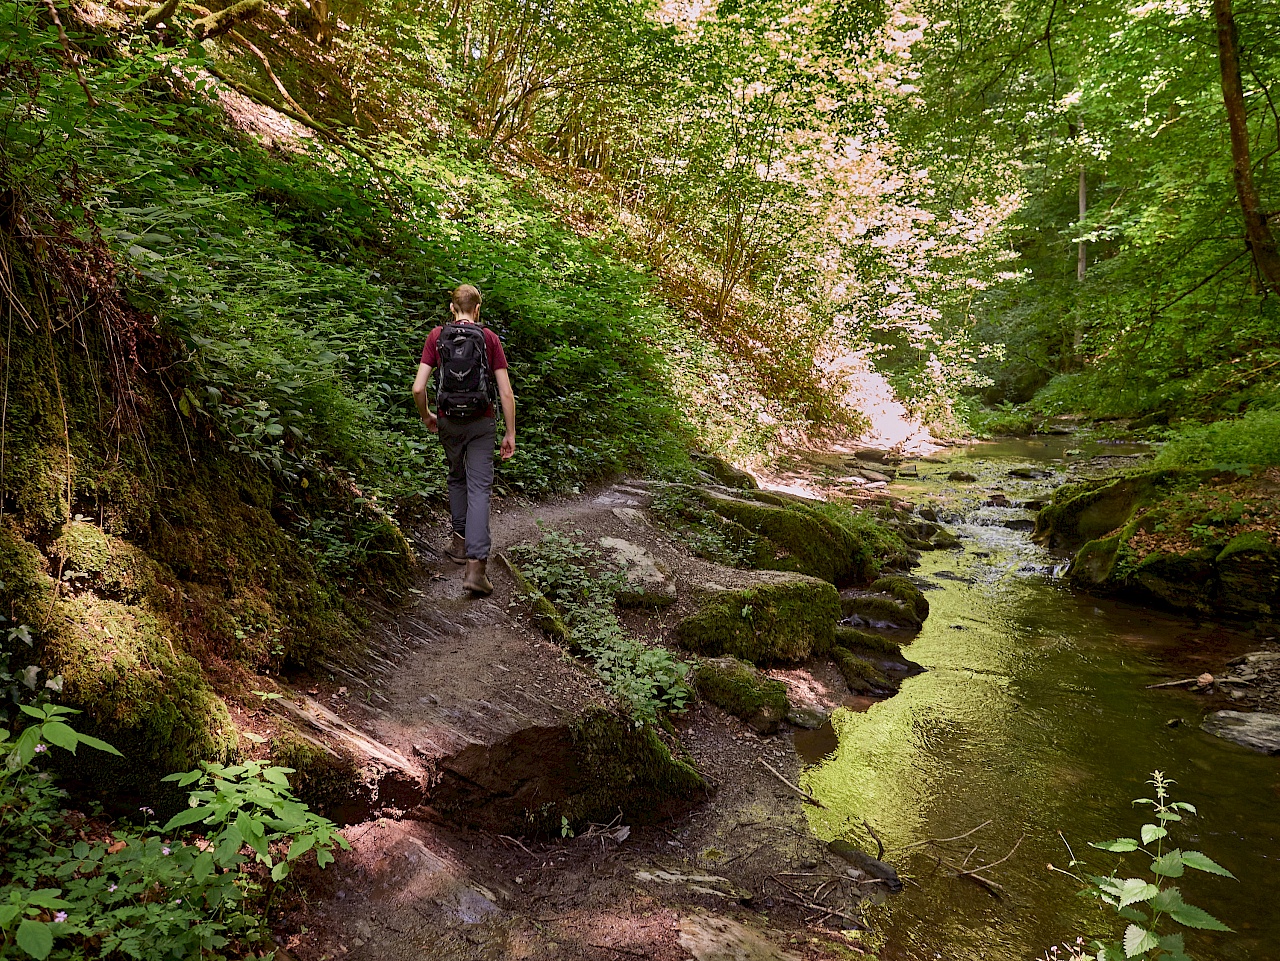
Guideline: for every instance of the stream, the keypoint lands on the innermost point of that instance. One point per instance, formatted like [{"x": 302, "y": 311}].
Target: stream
[{"x": 1034, "y": 715}]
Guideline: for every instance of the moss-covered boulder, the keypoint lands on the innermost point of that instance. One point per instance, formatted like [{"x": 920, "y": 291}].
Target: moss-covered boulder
[
  {"x": 1208, "y": 544},
  {"x": 782, "y": 619},
  {"x": 861, "y": 674},
  {"x": 725, "y": 473},
  {"x": 1094, "y": 508},
  {"x": 738, "y": 688},
  {"x": 122, "y": 663},
  {"x": 585, "y": 771},
  {"x": 882, "y": 653}
]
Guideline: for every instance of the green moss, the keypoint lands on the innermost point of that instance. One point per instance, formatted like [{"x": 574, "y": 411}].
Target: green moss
[
  {"x": 739, "y": 689},
  {"x": 545, "y": 615},
  {"x": 784, "y": 620},
  {"x": 880, "y": 610},
  {"x": 322, "y": 778},
  {"x": 110, "y": 566},
  {"x": 1093, "y": 509},
  {"x": 862, "y": 676},
  {"x": 817, "y": 539},
  {"x": 623, "y": 767},
  {"x": 1248, "y": 542},
  {"x": 905, "y": 592},
  {"x": 866, "y": 643}
]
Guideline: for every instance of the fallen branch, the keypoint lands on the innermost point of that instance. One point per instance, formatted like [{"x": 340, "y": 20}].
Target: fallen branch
[
  {"x": 66, "y": 49},
  {"x": 1182, "y": 683},
  {"x": 983, "y": 867},
  {"x": 806, "y": 795},
  {"x": 879, "y": 843},
  {"x": 958, "y": 837},
  {"x": 271, "y": 74}
]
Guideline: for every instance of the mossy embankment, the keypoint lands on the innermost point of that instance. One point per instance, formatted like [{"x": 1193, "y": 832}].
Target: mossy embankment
[{"x": 1200, "y": 540}]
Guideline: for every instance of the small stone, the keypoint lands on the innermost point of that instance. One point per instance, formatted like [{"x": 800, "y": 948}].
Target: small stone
[
  {"x": 962, "y": 477},
  {"x": 1204, "y": 680}
]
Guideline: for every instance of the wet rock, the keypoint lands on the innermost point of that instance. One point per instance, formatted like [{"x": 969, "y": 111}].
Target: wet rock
[
  {"x": 909, "y": 470},
  {"x": 946, "y": 541},
  {"x": 879, "y": 610},
  {"x": 1259, "y": 731},
  {"x": 1020, "y": 524},
  {"x": 997, "y": 500},
  {"x": 1029, "y": 473},
  {"x": 711, "y": 884},
  {"x": 1032, "y": 505},
  {"x": 874, "y": 476},
  {"x": 807, "y": 716},
  {"x": 928, "y": 513},
  {"x": 876, "y": 455},
  {"x": 649, "y": 583},
  {"x": 865, "y": 863},
  {"x": 738, "y": 688},
  {"x": 961, "y": 477}
]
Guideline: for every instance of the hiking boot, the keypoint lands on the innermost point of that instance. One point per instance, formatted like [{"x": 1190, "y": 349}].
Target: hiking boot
[
  {"x": 475, "y": 581},
  {"x": 457, "y": 549}
]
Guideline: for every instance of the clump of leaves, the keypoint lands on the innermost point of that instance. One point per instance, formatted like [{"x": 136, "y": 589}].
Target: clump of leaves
[
  {"x": 1148, "y": 903},
  {"x": 582, "y": 586},
  {"x": 1252, "y": 439},
  {"x": 143, "y": 893}
]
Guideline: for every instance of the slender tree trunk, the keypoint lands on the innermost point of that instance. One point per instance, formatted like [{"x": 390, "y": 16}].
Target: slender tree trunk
[
  {"x": 1082, "y": 259},
  {"x": 1257, "y": 233}
]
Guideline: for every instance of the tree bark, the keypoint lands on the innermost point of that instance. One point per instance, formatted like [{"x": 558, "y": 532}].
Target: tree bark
[
  {"x": 1257, "y": 232},
  {"x": 1082, "y": 259}
]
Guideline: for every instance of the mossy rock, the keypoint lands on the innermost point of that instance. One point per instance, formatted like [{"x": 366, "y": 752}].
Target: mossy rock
[
  {"x": 782, "y": 620},
  {"x": 861, "y": 674},
  {"x": 905, "y": 592},
  {"x": 725, "y": 473},
  {"x": 879, "y": 610},
  {"x": 738, "y": 688},
  {"x": 1093, "y": 509},
  {"x": 322, "y": 778},
  {"x": 866, "y": 642},
  {"x": 111, "y": 567},
  {"x": 583, "y": 772},
  {"x": 801, "y": 536}
]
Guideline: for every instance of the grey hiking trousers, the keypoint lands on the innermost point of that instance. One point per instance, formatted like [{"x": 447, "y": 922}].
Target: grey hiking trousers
[{"x": 468, "y": 448}]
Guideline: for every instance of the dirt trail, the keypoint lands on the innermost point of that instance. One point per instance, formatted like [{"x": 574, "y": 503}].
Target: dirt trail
[{"x": 450, "y": 673}]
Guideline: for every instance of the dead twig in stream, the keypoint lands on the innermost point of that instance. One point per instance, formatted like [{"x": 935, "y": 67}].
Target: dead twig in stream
[
  {"x": 879, "y": 843},
  {"x": 958, "y": 837},
  {"x": 1182, "y": 683},
  {"x": 806, "y": 795}
]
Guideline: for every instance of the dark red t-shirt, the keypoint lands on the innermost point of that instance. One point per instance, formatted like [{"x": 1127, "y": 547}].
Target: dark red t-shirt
[{"x": 493, "y": 346}]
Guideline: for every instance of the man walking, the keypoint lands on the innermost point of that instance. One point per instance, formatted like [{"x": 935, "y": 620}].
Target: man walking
[{"x": 469, "y": 363}]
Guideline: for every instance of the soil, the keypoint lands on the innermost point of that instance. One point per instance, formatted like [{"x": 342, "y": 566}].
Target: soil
[{"x": 450, "y": 671}]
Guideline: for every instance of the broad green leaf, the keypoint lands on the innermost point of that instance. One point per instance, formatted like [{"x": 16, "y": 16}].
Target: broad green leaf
[
  {"x": 35, "y": 938},
  {"x": 1119, "y": 845},
  {"x": 98, "y": 744},
  {"x": 1168, "y": 899},
  {"x": 202, "y": 867},
  {"x": 189, "y": 816},
  {"x": 301, "y": 846},
  {"x": 1138, "y": 941},
  {"x": 1168, "y": 865},
  {"x": 280, "y": 871},
  {"x": 47, "y": 898},
  {"x": 1136, "y": 889},
  {"x": 1193, "y": 917},
  {"x": 55, "y": 732},
  {"x": 1194, "y": 859},
  {"x": 1153, "y": 832}
]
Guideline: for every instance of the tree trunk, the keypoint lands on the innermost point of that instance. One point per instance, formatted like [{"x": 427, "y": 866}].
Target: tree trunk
[
  {"x": 1082, "y": 259},
  {"x": 1257, "y": 233}
]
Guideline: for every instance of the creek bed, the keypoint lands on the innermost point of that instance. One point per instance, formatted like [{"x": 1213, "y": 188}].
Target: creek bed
[{"x": 1034, "y": 715}]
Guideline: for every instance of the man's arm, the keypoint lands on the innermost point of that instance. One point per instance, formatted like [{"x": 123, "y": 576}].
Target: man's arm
[
  {"x": 508, "y": 400},
  {"x": 420, "y": 397}
]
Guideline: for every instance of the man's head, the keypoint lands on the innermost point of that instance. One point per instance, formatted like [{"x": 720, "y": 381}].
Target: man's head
[{"x": 466, "y": 303}]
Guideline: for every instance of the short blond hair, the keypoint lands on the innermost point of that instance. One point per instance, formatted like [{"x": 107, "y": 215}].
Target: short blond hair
[{"x": 466, "y": 300}]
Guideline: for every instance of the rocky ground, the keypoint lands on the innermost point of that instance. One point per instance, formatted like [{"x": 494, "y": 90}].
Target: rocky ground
[{"x": 472, "y": 700}]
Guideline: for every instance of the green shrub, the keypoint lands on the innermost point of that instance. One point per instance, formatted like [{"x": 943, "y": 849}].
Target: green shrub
[{"x": 1252, "y": 439}]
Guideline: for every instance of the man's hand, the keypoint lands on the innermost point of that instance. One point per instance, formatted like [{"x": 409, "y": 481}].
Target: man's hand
[
  {"x": 508, "y": 445},
  {"x": 432, "y": 422}
]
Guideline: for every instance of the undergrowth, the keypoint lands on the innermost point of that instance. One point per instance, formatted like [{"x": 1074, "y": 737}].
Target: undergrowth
[
  {"x": 1252, "y": 439},
  {"x": 583, "y": 585}
]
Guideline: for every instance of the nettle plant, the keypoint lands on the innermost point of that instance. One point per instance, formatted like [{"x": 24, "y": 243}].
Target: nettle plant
[
  {"x": 1148, "y": 904},
  {"x": 146, "y": 893}
]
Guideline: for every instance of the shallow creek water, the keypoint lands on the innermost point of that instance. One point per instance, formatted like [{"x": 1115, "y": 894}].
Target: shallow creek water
[{"x": 1034, "y": 714}]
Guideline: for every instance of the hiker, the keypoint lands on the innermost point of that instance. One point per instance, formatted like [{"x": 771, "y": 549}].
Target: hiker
[{"x": 469, "y": 363}]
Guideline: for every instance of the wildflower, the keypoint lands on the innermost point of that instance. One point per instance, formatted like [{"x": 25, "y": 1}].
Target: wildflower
[
  {"x": 147, "y": 811},
  {"x": 179, "y": 901},
  {"x": 164, "y": 851},
  {"x": 112, "y": 887},
  {"x": 40, "y": 749},
  {"x": 60, "y": 917}
]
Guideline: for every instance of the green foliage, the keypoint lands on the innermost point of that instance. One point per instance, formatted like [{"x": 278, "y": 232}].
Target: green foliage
[
  {"x": 142, "y": 894},
  {"x": 1147, "y": 903},
  {"x": 1252, "y": 439},
  {"x": 582, "y": 587}
]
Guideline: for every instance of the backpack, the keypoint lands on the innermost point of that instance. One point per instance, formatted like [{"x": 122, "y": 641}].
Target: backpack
[{"x": 464, "y": 383}]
